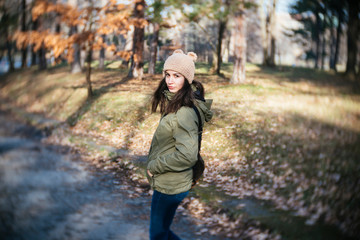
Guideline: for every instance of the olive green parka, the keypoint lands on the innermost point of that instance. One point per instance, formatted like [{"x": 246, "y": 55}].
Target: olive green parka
[{"x": 174, "y": 148}]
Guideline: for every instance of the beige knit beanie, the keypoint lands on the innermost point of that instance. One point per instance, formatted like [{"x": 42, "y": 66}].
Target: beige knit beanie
[{"x": 181, "y": 63}]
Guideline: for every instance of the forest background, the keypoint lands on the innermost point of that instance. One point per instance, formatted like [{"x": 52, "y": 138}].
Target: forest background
[{"x": 284, "y": 77}]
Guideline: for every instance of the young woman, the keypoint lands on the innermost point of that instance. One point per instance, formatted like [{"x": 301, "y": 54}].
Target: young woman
[{"x": 174, "y": 146}]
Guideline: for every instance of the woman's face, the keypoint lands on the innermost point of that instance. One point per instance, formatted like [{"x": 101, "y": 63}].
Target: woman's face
[{"x": 174, "y": 80}]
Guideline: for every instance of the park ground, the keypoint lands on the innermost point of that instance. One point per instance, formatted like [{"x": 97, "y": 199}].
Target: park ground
[{"x": 282, "y": 150}]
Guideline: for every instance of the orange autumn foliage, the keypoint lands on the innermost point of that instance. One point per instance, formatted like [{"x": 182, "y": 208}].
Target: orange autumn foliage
[
  {"x": 113, "y": 18},
  {"x": 69, "y": 15},
  {"x": 56, "y": 42}
]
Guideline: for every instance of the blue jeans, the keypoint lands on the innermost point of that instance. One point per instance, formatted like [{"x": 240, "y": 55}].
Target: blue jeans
[{"x": 163, "y": 208}]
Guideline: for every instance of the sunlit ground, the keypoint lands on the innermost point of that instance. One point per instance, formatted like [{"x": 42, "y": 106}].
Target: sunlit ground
[{"x": 288, "y": 135}]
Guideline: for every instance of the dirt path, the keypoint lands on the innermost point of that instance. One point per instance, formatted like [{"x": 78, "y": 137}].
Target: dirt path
[{"x": 46, "y": 192}]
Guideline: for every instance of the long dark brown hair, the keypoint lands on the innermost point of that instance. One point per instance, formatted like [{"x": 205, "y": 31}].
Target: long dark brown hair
[{"x": 184, "y": 97}]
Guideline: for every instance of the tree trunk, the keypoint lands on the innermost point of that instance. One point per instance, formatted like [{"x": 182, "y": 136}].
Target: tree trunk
[
  {"x": 8, "y": 43},
  {"x": 9, "y": 50},
  {"x": 222, "y": 27},
  {"x": 42, "y": 57},
  {"x": 264, "y": 31},
  {"x": 102, "y": 54},
  {"x": 88, "y": 69},
  {"x": 153, "y": 48},
  {"x": 33, "y": 53},
  {"x": 240, "y": 48},
  {"x": 33, "y": 56},
  {"x": 23, "y": 28},
  {"x": 272, "y": 34},
  {"x": 226, "y": 51},
  {"x": 136, "y": 69},
  {"x": 42, "y": 51},
  {"x": 57, "y": 31},
  {"x": 352, "y": 34},
  {"x": 267, "y": 36},
  {"x": 76, "y": 63},
  {"x": 317, "y": 40},
  {"x": 323, "y": 51},
  {"x": 332, "y": 45},
  {"x": 89, "y": 52},
  {"x": 272, "y": 52},
  {"x": 338, "y": 39},
  {"x": 214, "y": 62}
]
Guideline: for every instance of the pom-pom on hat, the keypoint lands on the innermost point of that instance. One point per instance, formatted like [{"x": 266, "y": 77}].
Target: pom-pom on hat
[{"x": 182, "y": 63}]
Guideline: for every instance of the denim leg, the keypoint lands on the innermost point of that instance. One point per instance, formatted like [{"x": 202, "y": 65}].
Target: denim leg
[{"x": 163, "y": 209}]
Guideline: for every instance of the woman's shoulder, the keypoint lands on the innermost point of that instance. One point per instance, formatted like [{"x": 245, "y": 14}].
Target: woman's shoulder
[
  {"x": 185, "y": 111},
  {"x": 185, "y": 116}
]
